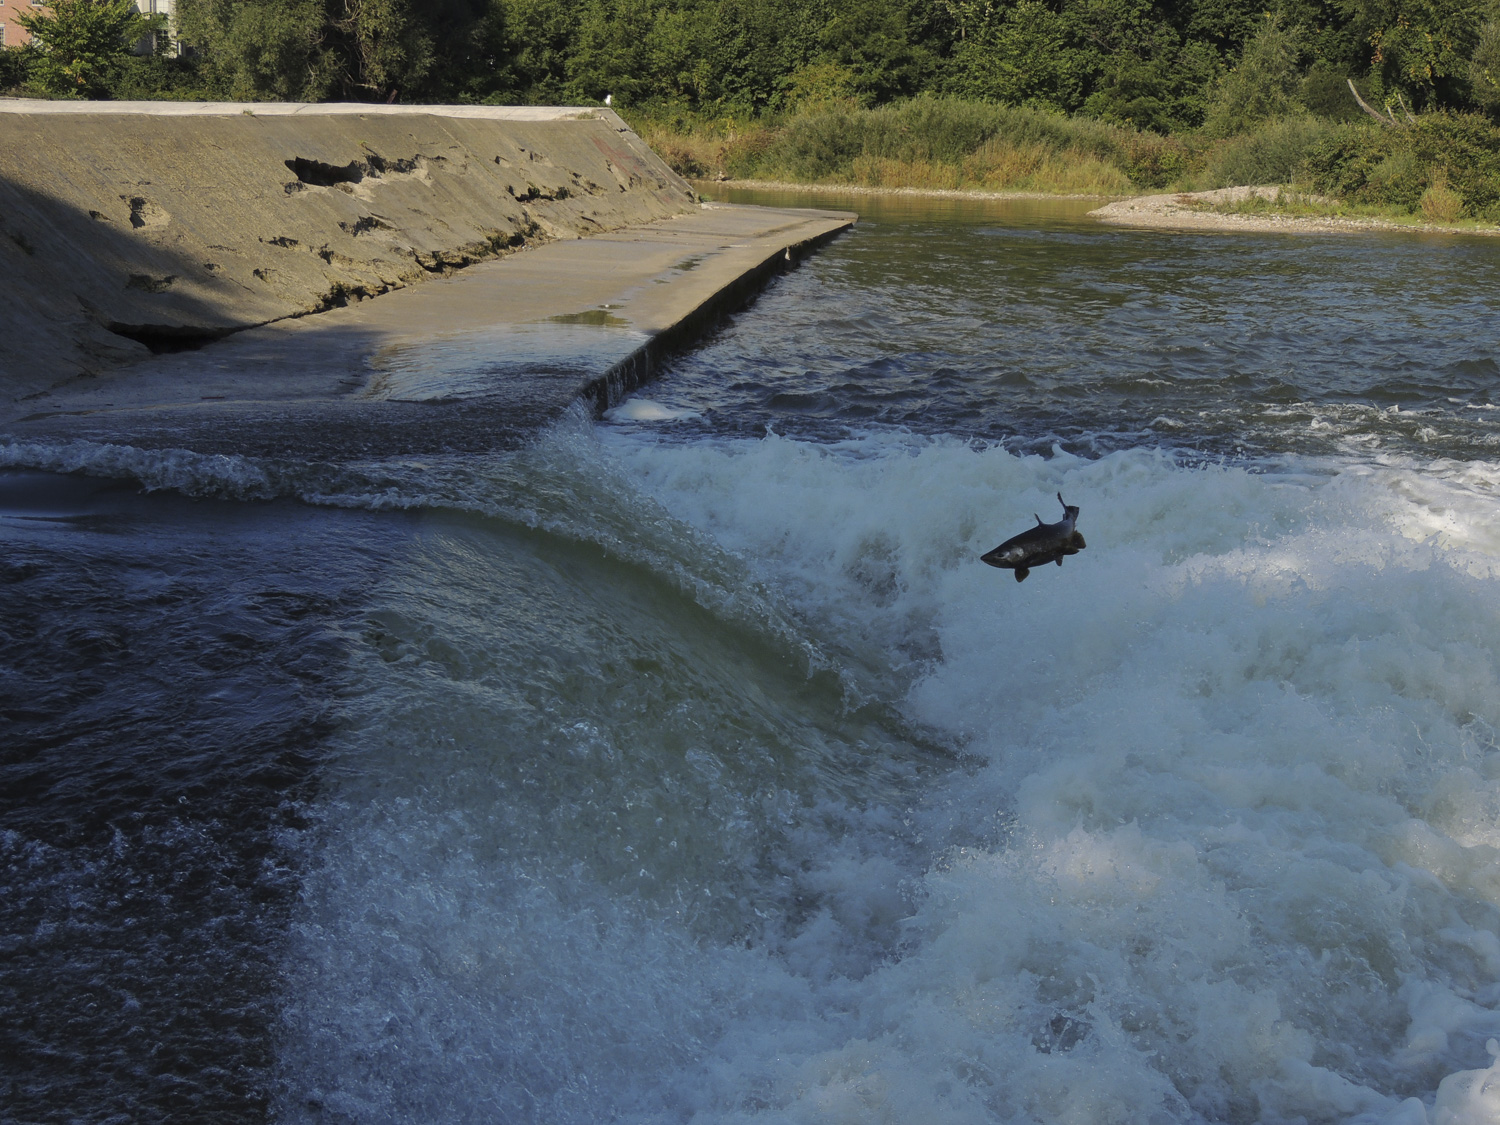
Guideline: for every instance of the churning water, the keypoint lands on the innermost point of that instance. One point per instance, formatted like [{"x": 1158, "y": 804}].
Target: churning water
[{"x": 688, "y": 766}]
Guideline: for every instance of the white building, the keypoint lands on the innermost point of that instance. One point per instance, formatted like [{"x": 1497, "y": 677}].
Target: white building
[
  {"x": 13, "y": 34},
  {"x": 162, "y": 8}
]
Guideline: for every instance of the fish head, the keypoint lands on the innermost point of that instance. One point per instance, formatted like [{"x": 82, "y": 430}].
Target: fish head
[{"x": 1005, "y": 556}]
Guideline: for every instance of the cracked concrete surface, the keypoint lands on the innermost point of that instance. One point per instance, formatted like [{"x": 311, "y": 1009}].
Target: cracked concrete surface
[
  {"x": 132, "y": 227},
  {"x": 476, "y": 361}
]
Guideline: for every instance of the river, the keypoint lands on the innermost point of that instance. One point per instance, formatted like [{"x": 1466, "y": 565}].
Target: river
[{"x": 687, "y": 765}]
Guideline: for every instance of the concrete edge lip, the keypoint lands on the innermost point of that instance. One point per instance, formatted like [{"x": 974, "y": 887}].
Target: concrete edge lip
[{"x": 43, "y": 107}]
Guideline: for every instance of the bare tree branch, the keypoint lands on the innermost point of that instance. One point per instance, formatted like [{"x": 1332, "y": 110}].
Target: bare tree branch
[{"x": 1389, "y": 122}]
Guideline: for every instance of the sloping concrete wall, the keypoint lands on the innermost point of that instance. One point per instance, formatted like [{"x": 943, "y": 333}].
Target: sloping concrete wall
[{"x": 132, "y": 227}]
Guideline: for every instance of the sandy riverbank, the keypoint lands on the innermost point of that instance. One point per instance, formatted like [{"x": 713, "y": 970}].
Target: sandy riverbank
[{"x": 1185, "y": 211}]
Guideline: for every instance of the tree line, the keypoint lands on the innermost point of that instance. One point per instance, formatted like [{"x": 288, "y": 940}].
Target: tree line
[{"x": 1162, "y": 65}]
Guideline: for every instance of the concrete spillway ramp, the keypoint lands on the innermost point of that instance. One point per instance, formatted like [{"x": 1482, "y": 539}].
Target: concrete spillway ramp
[{"x": 297, "y": 279}]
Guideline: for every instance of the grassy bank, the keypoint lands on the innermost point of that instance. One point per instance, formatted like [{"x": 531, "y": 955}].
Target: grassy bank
[
  {"x": 939, "y": 143},
  {"x": 1445, "y": 168}
]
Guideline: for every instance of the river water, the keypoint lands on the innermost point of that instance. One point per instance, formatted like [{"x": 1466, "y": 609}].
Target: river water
[{"x": 688, "y": 766}]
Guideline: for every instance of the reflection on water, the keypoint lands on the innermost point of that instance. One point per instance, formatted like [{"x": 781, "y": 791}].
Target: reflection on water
[
  {"x": 472, "y": 365},
  {"x": 1027, "y": 322}
]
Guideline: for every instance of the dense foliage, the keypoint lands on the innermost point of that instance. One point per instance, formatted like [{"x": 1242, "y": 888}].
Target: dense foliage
[
  {"x": 78, "y": 47},
  {"x": 1061, "y": 95},
  {"x": 1447, "y": 154},
  {"x": 1163, "y": 65}
]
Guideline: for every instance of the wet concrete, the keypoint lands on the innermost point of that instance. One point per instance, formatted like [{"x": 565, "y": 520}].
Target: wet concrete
[
  {"x": 127, "y": 227},
  {"x": 479, "y": 360}
]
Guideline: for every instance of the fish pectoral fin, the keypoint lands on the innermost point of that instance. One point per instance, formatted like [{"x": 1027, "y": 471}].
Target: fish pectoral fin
[
  {"x": 1059, "y": 560},
  {"x": 1021, "y": 573}
]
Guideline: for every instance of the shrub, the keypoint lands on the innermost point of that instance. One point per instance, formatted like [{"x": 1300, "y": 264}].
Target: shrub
[
  {"x": 15, "y": 67},
  {"x": 816, "y": 146},
  {"x": 1397, "y": 167},
  {"x": 1153, "y": 161},
  {"x": 923, "y": 142},
  {"x": 158, "y": 77},
  {"x": 1273, "y": 154},
  {"x": 682, "y": 160},
  {"x": 744, "y": 156},
  {"x": 949, "y": 141},
  {"x": 1440, "y": 203},
  {"x": 1467, "y": 147}
]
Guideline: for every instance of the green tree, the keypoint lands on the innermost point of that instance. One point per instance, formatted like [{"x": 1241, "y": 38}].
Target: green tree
[
  {"x": 256, "y": 50},
  {"x": 1421, "y": 48},
  {"x": 1027, "y": 57},
  {"x": 1147, "y": 75},
  {"x": 536, "y": 37},
  {"x": 79, "y": 44},
  {"x": 1263, "y": 86},
  {"x": 15, "y": 67},
  {"x": 358, "y": 50},
  {"x": 609, "y": 55},
  {"x": 873, "y": 40},
  {"x": 468, "y": 61},
  {"x": 377, "y": 48},
  {"x": 761, "y": 55},
  {"x": 1484, "y": 67}
]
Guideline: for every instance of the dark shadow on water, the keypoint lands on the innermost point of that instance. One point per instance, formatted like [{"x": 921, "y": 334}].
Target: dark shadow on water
[{"x": 168, "y": 674}]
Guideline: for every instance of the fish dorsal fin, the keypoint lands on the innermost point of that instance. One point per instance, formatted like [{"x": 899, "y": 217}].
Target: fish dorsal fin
[{"x": 1038, "y": 518}]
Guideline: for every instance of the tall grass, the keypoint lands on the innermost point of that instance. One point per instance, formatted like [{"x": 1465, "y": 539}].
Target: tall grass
[
  {"x": 947, "y": 142},
  {"x": 925, "y": 143},
  {"x": 1446, "y": 167}
]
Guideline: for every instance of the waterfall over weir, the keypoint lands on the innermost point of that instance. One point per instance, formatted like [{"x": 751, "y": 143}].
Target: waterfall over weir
[{"x": 687, "y": 765}]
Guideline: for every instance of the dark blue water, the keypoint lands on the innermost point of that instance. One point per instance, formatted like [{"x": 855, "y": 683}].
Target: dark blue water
[
  {"x": 1036, "y": 326},
  {"x": 688, "y": 766}
]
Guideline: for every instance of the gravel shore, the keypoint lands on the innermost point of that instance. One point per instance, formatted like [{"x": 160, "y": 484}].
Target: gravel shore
[
  {"x": 1183, "y": 211},
  {"x": 1171, "y": 211}
]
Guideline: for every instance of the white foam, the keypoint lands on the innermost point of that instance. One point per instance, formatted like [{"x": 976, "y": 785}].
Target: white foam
[
  {"x": 1239, "y": 765},
  {"x": 1222, "y": 844},
  {"x": 1471, "y": 1097},
  {"x": 637, "y": 409},
  {"x": 180, "y": 470}
]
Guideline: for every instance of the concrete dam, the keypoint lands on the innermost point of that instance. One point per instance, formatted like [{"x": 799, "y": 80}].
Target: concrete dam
[{"x": 202, "y": 259}]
